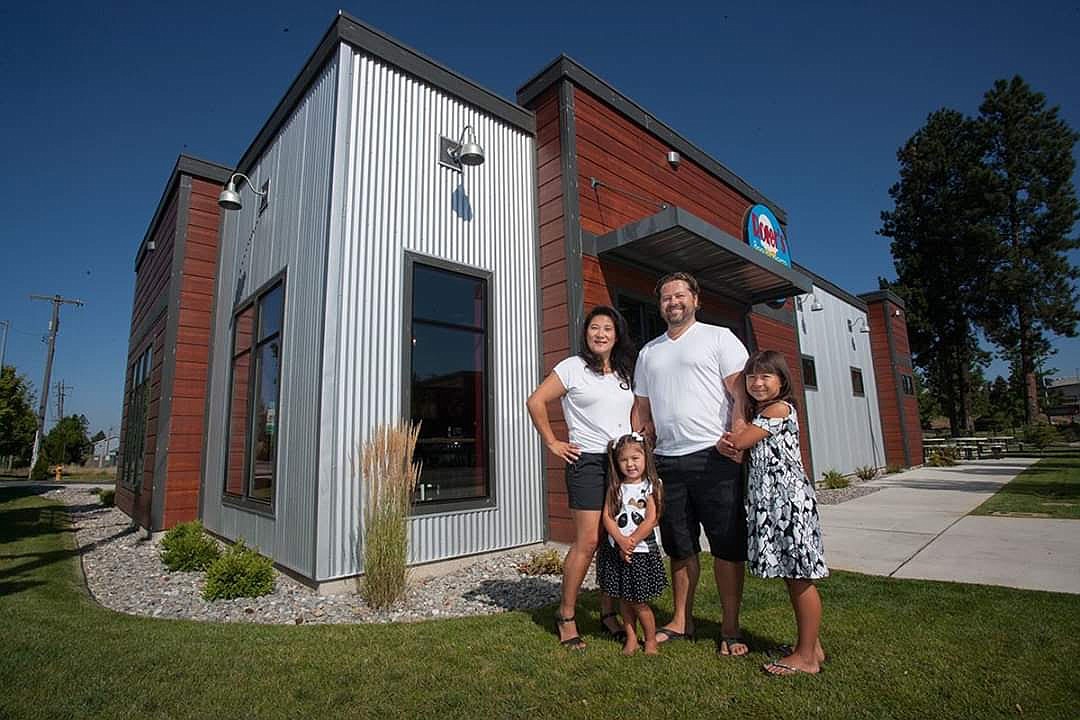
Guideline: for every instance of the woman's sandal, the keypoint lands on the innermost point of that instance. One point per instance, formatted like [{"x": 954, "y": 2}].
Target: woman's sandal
[
  {"x": 573, "y": 643},
  {"x": 617, "y": 635},
  {"x": 786, "y": 670}
]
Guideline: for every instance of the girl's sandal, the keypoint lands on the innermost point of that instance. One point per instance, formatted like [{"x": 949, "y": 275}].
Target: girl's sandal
[
  {"x": 617, "y": 635},
  {"x": 573, "y": 643}
]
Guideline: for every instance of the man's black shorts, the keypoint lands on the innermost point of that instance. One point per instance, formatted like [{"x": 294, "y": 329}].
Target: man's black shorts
[
  {"x": 702, "y": 490},
  {"x": 586, "y": 481}
]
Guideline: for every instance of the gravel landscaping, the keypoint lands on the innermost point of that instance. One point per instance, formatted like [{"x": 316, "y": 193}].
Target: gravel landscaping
[{"x": 124, "y": 572}]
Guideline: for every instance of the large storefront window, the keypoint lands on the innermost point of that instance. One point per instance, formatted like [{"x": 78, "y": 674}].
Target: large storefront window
[
  {"x": 131, "y": 469},
  {"x": 643, "y": 318},
  {"x": 448, "y": 384},
  {"x": 254, "y": 412}
]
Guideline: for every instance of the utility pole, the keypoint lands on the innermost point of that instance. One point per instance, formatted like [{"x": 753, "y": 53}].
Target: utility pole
[
  {"x": 3, "y": 343},
  {"x": 54, "y": 328},
  {"x": 61, "y": 393}
]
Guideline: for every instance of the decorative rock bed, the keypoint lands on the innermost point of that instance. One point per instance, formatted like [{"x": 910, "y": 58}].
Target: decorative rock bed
[{"x": 124, "y": 572}]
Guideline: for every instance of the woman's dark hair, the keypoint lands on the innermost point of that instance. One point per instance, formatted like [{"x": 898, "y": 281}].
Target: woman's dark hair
[
  {"x": 613, "y": 499},
  {"x": 623, "y": 352},
  {"x": 772, "y": 362}
]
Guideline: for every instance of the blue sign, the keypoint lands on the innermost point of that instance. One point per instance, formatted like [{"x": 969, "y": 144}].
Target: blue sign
[{"x": 764, "y": 234}]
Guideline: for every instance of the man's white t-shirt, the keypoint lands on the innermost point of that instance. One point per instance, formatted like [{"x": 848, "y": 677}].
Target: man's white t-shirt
[
  {"x": 684, "y": 382},
  {"x": 596, "y": 407}
]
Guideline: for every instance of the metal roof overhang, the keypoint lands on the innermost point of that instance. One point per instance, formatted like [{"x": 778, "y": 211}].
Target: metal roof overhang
[{"x": 674, "y": 240}]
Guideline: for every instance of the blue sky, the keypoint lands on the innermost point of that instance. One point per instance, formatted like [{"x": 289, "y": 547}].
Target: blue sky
[{"x": 806, "y": 101}]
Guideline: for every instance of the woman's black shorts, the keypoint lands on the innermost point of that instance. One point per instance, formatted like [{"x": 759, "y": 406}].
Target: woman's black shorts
[{"x": 586, "y": 481}]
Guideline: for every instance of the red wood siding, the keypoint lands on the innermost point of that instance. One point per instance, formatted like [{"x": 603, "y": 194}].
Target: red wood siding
[
  {"x": 152, "y": 278},
  {"x": 886, "y": 319},
  {"x": 618, "y": 152},
  {"x": 192, "y": 355},
  {"x": 771, "y": 334}
]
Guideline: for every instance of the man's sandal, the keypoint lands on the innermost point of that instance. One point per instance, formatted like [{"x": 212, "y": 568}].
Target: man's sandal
[
  {"x": 672, "y": 635},
  {"x": 574, "y": 643},
  {"x": 724, "y": 647},
  {"x": 617, "y": 635}
]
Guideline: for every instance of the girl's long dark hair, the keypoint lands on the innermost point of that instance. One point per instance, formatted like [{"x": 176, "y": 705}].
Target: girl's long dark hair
[
  {"x": 623, "y": 352},
  {"x": 767, "y": 361},
  {"x": 614, "y": 497}
]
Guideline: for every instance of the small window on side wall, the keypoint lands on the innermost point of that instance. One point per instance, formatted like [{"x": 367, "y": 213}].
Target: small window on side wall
[
  {"x": 448, "y": 384},
  {"x": 908, "y": 384},
  {"x": 857, "y": 382},
  {"x": 809, "y": 373}
]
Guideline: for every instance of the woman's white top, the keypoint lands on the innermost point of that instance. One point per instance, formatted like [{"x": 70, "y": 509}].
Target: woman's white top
[
  {"x": 596, "y": 407},
  {"x": 633, "y": 504}
]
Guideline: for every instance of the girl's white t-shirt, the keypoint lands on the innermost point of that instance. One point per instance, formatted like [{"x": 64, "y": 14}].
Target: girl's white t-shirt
[
  {"x": 596, "y": 407},
  {"x": 632, "y": 507}
]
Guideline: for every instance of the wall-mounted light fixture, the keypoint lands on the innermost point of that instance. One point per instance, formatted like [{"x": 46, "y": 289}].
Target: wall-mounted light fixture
[
  {"x": 229, "y": 199},
  {"x": 815, "y": 306},
  {"x": 896, "y": 312},
  {"x": 852, "y": 324},
  {"x": 674, "y": 159},
  {"x": 466, "y": 151}
]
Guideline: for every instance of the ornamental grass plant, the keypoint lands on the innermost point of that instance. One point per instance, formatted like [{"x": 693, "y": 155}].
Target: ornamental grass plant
[{"x": 389, "y": 478}]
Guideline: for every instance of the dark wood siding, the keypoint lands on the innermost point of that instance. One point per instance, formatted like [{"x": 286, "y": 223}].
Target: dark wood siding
[
  {"x": 887, "y": 325},
  {"x": 192, "y": 355}
]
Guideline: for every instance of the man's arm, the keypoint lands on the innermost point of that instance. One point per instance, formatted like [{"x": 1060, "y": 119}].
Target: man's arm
[
  {"x": 641, "y": 418},
  {"x": 736, "y": 389}
]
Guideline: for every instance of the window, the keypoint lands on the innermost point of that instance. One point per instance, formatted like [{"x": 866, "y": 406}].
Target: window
[
  {"x": 135, "y": 431},
  {"x": 856, "y": 382},
  {"x": 809, "y": 373},
  {"x": 448, "y": 361},
  {"x": 908, "y": 384},
  {"x": 254, "y": 412},
  {"x": 643, "y": 318}
]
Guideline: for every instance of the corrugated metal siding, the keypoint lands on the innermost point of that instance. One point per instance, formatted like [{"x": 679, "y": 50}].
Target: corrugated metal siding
[
  {"x": 397, "y": 198},
  {"x": 291, "y": 235},
  {"x": 845, "y": 430}
]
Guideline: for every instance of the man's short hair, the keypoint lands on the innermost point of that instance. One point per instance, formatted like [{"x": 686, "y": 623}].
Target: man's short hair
[{"x": 690, "y": 280}]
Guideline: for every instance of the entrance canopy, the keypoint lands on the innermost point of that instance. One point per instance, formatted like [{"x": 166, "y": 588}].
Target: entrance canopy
[{"x": 674, "y": 240}]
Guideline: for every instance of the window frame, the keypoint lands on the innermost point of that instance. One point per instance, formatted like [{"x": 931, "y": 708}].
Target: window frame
[
  {"x": 133, "y": 461},
  {"x": 244, "y": 501},
  {"x": 861, "y": 390},
  {"x": 412, "y": 259},
  {"x": 807, "y": 385},
  {"x": 907, "y": 384}
]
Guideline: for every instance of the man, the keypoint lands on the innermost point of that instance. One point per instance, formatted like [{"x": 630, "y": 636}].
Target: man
[{"x": 688, "y": 392}]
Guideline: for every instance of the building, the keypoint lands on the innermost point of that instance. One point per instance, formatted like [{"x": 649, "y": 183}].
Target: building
[{"x": 374, "y": 272}]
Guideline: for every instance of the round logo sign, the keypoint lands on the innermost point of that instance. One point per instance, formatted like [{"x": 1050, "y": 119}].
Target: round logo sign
[{"x": 764, "y": 234}]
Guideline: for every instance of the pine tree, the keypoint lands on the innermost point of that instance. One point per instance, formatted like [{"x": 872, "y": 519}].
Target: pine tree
[
  {"x": 1031, "y": 290},
  {"x": 939, "y": 247}
]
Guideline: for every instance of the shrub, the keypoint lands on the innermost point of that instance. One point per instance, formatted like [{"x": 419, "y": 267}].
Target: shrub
[
  {"x": 894, "y": 468},
  {"x": 390, "y": 476},
  {"x": 545, "y": 562},
  {"x": 187, "y": 547},
  {"x": 835, "y": 480},
  {"x": 1040, "y": 435},
  {"x": 944, "y": 457},
  {"x": 240, "y": 572},
  {"x": 41, "y": 469},
  {"x": 866, "y": 472},
  {"x": 107, "y": 497}
]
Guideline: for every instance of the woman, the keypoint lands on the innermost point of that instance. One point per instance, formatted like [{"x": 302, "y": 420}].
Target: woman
[{"x": 595, "y": 389}]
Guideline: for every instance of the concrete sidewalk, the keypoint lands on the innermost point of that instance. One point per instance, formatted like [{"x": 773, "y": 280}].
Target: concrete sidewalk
[{"x": 917, "y": 526}]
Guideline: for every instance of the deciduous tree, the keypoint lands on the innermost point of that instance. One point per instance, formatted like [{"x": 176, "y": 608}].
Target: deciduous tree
[{"x": 17, "y": 419}]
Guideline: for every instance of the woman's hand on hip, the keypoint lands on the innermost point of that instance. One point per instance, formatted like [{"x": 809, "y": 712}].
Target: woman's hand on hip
[{"x": 567, "y": 451}]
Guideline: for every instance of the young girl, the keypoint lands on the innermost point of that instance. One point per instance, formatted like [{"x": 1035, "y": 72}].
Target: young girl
[
  {"x": 781, "y": 508},
  {"x": 628, "y": 565}
]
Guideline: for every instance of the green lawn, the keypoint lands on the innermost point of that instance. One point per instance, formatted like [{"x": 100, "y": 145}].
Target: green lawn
[
  {"x": 900, "y": 649},
  {"x": 1049, "y": 488}
]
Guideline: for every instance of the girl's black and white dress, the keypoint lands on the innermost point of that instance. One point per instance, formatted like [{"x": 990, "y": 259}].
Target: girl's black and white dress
[
  {"x": 643, "y": 578},
  {"x": 784, "y": 533}
]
